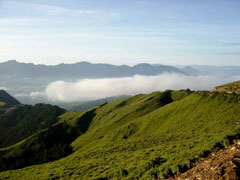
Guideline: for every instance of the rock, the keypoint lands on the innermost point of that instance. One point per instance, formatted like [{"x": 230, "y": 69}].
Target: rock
[
  {"x": 221, "y": 165},
  {"x": 231, "y": 175}
]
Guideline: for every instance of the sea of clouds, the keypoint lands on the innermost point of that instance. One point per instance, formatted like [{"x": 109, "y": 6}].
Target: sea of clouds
[{"x": 91, "y": 89}]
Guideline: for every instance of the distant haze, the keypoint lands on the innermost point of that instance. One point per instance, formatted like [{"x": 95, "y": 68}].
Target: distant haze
[{"x": 84, "y": 81}]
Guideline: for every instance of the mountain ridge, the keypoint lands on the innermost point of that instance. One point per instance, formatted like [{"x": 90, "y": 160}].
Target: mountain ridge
[
  {"x": 152, "y": 136},
  {"x": 82, "y": 70},
  {"x": 26, "y": 78}
]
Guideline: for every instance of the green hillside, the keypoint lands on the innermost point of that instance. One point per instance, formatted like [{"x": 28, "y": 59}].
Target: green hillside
[
  {"x": 7, "y": 101},
  {"x": 2, "y": 104},
  {"x": 141, "y": 137},
  {"x": 47, "y": 145},
  {"x": 21, "y": 122}
]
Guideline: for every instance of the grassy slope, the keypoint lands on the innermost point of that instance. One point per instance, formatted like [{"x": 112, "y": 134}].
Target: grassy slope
[
  {"x": 116, "y": 114},
  {"x": 48, "y": 144},
  {"x": 2, "y": 104},
  {"x": 41, "y": 144},
  {"x": 44, "y": 146},
  {"x": 21, "y": 122},
  {"x": 132, "y": 138}
]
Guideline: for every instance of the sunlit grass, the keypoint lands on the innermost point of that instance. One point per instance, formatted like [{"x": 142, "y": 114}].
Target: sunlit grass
[
  {"x": 144, "y": 137},
  {"x": 2, "y": 104}
]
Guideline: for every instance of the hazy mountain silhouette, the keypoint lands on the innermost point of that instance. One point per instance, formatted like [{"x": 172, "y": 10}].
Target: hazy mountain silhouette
[
  {"x": 216, "y": 70},
  {"x": 80, "y": 70},
  {"x": 191, "y": 71},
  {"x": 21, "y": 79}
]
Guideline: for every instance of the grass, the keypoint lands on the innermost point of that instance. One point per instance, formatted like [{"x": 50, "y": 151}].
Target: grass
[
  {"x": 21, "y": 122},
  {"x": 144, "y": 137},
  {"x": 2, "y": 104}
]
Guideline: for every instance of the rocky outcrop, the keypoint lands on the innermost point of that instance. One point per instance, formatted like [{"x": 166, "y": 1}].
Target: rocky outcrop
[
  {"x": 222, "y": 165},
  {"x": 228, "y": 89}
]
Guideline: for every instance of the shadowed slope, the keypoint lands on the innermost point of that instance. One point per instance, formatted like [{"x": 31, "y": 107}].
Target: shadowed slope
[
  {"x": 46, "y": 145},
  {"x": 23, "y": 121},
  {"x": 7, "y": 101}
]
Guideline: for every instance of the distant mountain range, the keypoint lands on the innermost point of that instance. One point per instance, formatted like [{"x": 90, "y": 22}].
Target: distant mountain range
[
  {"x": 21, "y": 79},
  {"x": 26, "y": 81},
  {"x": 196, "y": 70},
  {"x": 191, "y": 71},
  {"x": 81, "y": 70},
  {"x": 85, "y": 69}
]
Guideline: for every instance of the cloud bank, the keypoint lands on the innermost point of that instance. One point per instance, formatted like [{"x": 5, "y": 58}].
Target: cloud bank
[
  {"x": 3, "y": 88},
  {"x": 33, "y": 95},
  {"x": 91, "y": 89}
]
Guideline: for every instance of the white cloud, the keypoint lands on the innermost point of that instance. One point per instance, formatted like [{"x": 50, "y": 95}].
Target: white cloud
[
  {"x": 22, "y": 21},
  {"x": 32, "y": 95},
  {"x": 21, "y": 95},
  {"x": 45, "y": 9},
  {"x": 3, "y": 88},
  {"x": 37, "y": 94},
  {"x": 115, "y": 14},
  {"x": 57, "y": 10},
  {"x": 90, "y": 89},
  {"x": 84, "y": 12}
]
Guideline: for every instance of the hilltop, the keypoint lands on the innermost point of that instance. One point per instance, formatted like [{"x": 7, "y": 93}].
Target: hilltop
[
  {"x": 229, "y": 88},
  {"x": 146, "y": 136}
]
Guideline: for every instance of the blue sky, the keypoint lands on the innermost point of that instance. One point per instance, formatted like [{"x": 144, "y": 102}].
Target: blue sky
[{"x": 175, "y": 32}]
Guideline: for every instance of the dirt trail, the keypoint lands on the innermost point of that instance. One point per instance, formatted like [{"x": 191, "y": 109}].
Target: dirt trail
[{"x": 222, "y": 165}]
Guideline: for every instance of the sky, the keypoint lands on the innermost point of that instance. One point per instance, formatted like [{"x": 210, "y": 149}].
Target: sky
[{"x": 174, "y": 32}]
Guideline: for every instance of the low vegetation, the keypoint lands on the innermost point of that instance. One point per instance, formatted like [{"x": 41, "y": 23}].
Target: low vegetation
[
  {"x": 142, "y": 137},
  {"x": 23, "y": 121},
  {"x": 2, "y": 103}
]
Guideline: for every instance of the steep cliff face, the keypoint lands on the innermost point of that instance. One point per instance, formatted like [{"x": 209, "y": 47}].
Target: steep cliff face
[{"x": 229, "y": 88}]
